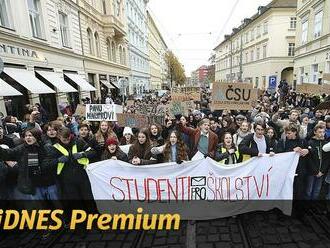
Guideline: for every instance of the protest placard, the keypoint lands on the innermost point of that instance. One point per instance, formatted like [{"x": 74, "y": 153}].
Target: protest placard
[
  {"x": 233, "y": 96},
  {"x": 80, "y": 110},
  {"x": 101, "y": 112},
  {"x": 310, "y": 88},
  {"x": 132, "y": 120},
  {"x": 177, "y": 107},
  {"x": 130, "y": 103}
]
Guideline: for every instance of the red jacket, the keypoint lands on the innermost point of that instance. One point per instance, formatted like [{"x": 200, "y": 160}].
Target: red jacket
[{"x": 195, "y": 134}]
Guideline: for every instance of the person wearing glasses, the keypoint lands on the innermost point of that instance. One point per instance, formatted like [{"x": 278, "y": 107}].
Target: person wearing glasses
[{"x": 256, "y": 144}]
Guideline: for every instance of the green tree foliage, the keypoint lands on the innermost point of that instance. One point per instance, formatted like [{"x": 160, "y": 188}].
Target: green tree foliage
[{"x": 176, "y": 73}]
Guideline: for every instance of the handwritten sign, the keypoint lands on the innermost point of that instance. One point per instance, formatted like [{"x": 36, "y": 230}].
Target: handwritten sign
[
  {"x": 80, "y": 110},
  {"x": 233, "y": 96},
  {"x": 310, "y": 88},
  {"x": 101, "y": 112},
  {"x": 132, "y": 120}
]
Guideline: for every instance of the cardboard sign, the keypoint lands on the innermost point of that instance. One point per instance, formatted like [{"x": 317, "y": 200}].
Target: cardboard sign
[
  {"x": 132, "y": 120},
  {"x": 310, "y": 88},
  {"x": 180, "y": 97},
  {"x": 233, "y": 96},
  {"x": 326, "y": 76},
  {"x": 101, "y": 112},
  {"x": 195, "y": 96},
  {"x": 80, "y": 110},
  {"x": 178, "y": 107},
  {"x": 130, "y": 103},
  {"x": 157, "y": 119},
  {"x": 162, "y": 110}
]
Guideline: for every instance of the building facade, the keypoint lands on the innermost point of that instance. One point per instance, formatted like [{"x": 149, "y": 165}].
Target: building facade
[
  {"x": 157, "y": 49},
  {"x": 105, "y": 45},
  {"x": 261, "y": 50},
  {"x": 137, "y": 26},
  {"x": 41, "y": 50},
  {"x": 312, "y": 57}
]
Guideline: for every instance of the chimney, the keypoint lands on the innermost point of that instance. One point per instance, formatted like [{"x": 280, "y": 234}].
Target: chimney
[{"x": 261, "y": 9}]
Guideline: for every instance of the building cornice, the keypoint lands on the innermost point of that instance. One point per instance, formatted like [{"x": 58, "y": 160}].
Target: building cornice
[
  {"x": 33, "y": 43},
  {"x": 321, "y": 49}
]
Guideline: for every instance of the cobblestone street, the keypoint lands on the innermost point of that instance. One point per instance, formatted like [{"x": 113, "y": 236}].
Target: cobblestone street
[{"x": 258, "y": 229}]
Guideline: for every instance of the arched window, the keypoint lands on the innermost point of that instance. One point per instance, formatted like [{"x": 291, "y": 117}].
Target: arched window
[
  {"x": 120, "y": 55},
  {"x": 113, "y": 51},
  {"x": 90, "y": 41},
  {"x": 97, "y": 44},
  {"x": 109, "y": 49},
  {"x": 124, "y": 56}
]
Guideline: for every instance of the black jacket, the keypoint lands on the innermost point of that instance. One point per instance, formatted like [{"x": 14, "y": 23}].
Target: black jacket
[
  {"x": 30, "y": 177},
  {"x": 119, "y": 154},
  {"x": 249, "y": 147},
  {"x": 319, "y": 161},
  {"x": 3, "y": 186},
  {"x": 286, "y": 145}
]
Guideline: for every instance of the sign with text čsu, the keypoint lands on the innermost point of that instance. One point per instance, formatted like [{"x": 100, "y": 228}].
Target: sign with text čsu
[
  {"x": 233, "y": 96},
  {"x": 101, "y": 112}
]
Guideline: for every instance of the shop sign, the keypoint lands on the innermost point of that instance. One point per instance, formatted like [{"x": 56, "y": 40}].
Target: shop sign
[{"x": 18, "y": 51}]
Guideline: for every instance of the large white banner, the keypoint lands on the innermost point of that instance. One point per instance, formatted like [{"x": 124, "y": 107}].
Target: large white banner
[{"x": 223, "y": 190}]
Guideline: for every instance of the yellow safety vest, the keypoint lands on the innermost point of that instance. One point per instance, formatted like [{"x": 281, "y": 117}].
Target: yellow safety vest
[
  {"x": 223, "y": 150},
  {"x": 61, "y": 149},
  {"x": 246, "y": 156}
]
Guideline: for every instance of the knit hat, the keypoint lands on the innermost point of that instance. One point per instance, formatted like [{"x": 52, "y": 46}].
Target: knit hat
[
  {"x": 111, "y": 141},
  {"x": 127, "y": 130}
]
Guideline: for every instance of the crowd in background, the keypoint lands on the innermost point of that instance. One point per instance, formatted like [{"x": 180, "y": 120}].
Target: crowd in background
[{"x": 46, "y": 160}]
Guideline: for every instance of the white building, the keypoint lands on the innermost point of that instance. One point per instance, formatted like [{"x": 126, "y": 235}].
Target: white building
[
  {"x": 262, "y": 48},
  {"x": 312, "y": 60},
  {"x": 40, "y": 46},
  {"x": 137, "y": 26}
]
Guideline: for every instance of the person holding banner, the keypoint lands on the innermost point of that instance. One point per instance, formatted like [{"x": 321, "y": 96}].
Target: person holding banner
[
  {"x": 72, "y": 156},
  {"x": 318, "y": 164},
  {"x": 139, "y": 153},
  {"x": 256, "y": 144},
  {"x": 174, "y": 149},
  {"x": 227, "y": 152},
  {"x": 113, "y": 151},
  {"x": 202, "y": 138},
  {"x": 292, "y": 142}
]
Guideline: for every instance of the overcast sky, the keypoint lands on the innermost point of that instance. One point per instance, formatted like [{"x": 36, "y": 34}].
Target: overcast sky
[{"x": 192, "y": 28}]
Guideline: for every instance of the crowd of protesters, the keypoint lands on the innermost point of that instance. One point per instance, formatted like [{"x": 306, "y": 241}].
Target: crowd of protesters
[{"x": 46, "y": 160}]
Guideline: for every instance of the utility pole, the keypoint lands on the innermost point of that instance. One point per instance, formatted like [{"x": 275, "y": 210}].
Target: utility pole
[
  {"x": 231, "y": 59},
  {"x": 240, "y": 79}
]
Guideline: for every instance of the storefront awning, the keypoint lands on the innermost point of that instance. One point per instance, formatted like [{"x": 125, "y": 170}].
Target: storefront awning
[
  {"x": 81, "y": 82},
  {"x": 7, "y": 90},
  {"x": 28, "y": 80},
  {"x": 115, "y": 84},
  {"x": 56, "y": 80},
  {"x": 106, "y": 83}
]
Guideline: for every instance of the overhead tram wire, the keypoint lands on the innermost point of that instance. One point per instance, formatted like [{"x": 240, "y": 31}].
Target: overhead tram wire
[{"x": 227, "y": 20}]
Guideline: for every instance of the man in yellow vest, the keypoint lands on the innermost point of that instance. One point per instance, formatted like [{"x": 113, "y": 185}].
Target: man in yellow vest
[{"x": 73, "y": 155}]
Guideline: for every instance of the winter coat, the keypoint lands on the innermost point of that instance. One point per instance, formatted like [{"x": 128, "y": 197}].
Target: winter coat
[
  {"x": 30, "y": 177},
  {"x": 249, "y": 147},
  {"x": 119, "y": 154},
  {"x": 195, "y": 134},
  {"x": 319, "y": 161}
]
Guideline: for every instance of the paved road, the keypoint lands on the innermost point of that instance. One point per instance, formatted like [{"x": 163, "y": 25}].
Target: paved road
[{"x": 257, "y": 229}]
